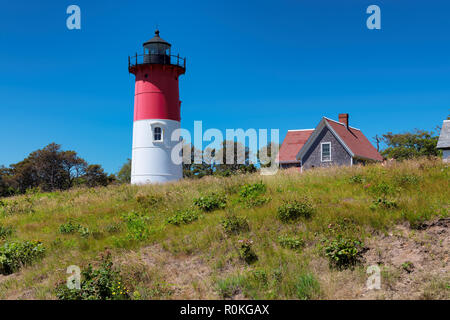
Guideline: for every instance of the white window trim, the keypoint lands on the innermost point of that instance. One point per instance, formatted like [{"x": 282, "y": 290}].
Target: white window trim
[
  {"x": 153, "y": 127},
  {"x": 321, "y": 151}
]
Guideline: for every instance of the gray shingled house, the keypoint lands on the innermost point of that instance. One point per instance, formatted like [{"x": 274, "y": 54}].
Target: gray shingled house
[
  {"x": 331, "y": 143},
  {"x": 444, "y": 141}
]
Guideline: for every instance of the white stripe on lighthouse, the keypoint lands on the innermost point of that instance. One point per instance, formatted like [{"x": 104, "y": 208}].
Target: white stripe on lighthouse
[{"x": 151, "y": 160}]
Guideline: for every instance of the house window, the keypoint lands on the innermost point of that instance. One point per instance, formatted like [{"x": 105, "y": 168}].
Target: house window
[
  {"x": 326, "y": 151},
  {"x": 157, "y": 134}
]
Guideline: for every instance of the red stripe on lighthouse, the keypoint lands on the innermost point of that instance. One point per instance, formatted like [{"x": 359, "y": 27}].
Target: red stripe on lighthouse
[{"x": 156, "y": 92}]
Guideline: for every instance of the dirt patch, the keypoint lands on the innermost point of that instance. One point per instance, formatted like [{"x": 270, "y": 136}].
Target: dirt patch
[
  {"x": 183, "y": 276},
  {"x": 414, "y": 263}
]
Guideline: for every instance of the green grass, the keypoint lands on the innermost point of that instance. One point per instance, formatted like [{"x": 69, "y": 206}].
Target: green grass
[{"x": 125, "y": 218}]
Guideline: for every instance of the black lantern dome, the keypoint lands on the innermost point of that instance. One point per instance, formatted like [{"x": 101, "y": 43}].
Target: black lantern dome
[
  {"x": 157, "y": 45},
  {"x": 156, "y": 51}
]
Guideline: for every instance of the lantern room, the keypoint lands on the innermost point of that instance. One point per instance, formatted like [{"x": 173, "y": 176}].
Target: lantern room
[{"x": 157, "y": 50}]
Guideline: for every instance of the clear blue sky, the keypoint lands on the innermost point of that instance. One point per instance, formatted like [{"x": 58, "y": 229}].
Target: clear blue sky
[{"x": 251, "y": 64}]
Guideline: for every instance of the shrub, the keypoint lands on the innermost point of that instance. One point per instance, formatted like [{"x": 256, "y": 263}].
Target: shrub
[
  {"x": 113, "y": 228},
  {"x": 383, "y": 203},
  {"x": 408, "y": 266},
  {"x": 210, "y": 202},
  {"x": 230, "y": 286},
  {"x": 383, "y": 190},
  {"x": 407, "y": 179},
  {"x": 294, "y": 210},
  {"x": 291, "y": 242},
  {"x": 84, "y": 231},
  {"x": 136, "y": 225},
  {"x": 246, "y": 252},
  {"x": 252, "y": 190},
  {"x": 251, "y": 195},
  {"x": 14, "y": 255},
  {"x": 260, "y": 276},
  {"x": 5, "y": 232},
  {"x": 307, "y": 287},
  {"x": 343, "y": 252},
  {"x": 233, "y": 224},
  {"x": 70, "y": 228},
  {"x": 357, "y": 178},
  {"x": 17, "y": 207},
  {"x": 183, "y": 217},
  {"x": 104, "y": 283},
  {"x": 256, "y": 202}
]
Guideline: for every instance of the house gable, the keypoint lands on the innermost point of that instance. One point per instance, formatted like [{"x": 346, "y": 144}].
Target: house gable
[
  {"x": 444, "y": 137},
  {"x": 313, "y": 156}
]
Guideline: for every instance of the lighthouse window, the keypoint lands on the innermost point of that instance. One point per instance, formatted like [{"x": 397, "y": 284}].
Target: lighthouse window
[{"x": 157, "y": 134}]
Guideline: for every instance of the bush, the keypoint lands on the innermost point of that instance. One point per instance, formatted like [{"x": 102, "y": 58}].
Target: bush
[
  {"x": 357, "y": 178},
  {"x": 14, "y": 255},
  {"x": 260, "y": 276},
  {"x": 407, "y": 179},
  {"x": 343, "y": 252},
  {"x": 294, "y": 210},
  {"x": 233, "y": 224},
  {"x": 136, "y": 225},
  {"x": 246, "y": 252},
  {"x": 251, "y": 195},
  {"x": 252, "y": 190},
  {"x": 291, "y": 242},
  {"x": 70, "y": 228},
  {"x": 17, "y": 207},
  {"x": 230, "y": 286},
  {"x": 383, "y": 190},
  {"x": 113, "y": 228},
  {"x": 5, "y": 232},
  {"x": 383, "y": 203},
  {"x": 210, "y": 202},
  {"x": 307, "y": 287},
  {"x": 183, "y": 217},
  {"x": 104, "y": 283}
]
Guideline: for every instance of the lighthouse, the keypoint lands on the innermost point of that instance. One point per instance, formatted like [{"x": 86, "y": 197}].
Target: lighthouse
[{"x": 156, "y": 112}]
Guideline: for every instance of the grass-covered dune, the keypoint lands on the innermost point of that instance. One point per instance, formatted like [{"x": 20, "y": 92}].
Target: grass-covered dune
[{"x": 287, "y": 236}]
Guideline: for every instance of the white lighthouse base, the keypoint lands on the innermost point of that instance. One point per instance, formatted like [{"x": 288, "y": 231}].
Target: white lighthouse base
[{"x": 151, "y": 160}]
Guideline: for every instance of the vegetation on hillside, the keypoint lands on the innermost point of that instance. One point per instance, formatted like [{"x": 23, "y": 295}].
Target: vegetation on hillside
[
  {"x": 50, "y": 169},
  {"x": 411, "y": 145},
  {"x": 287, "y": 236}
]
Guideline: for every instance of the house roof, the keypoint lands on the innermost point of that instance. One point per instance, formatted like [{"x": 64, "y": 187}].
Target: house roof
[
  {"x": 352, "y": 139},
  {"x": 444, "y": 138},
  {"x": 293, "y": 142},
  {"x": 355, "y": 140}
]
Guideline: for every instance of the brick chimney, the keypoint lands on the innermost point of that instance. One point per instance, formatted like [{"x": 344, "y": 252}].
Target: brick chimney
[{"x": 343, "y": 118}]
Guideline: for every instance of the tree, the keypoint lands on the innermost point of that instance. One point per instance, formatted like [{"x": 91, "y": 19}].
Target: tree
[
  {"x": 50, "y": 168},
  {"x": 124, "y": 174},
  {"x": 240, "y": 162},
  {"x": 410, "y": 145},
  {"x": 6, "y": 188},
  {"x": 95, "y": 176},
  {"x": 377, "y": 140},
  {"x": 267, "y": 154},
  {"x": 192, "y": 169}
]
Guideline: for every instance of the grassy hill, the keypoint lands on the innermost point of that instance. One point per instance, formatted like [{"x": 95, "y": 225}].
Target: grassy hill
[{"x": 288, "y": 236}]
